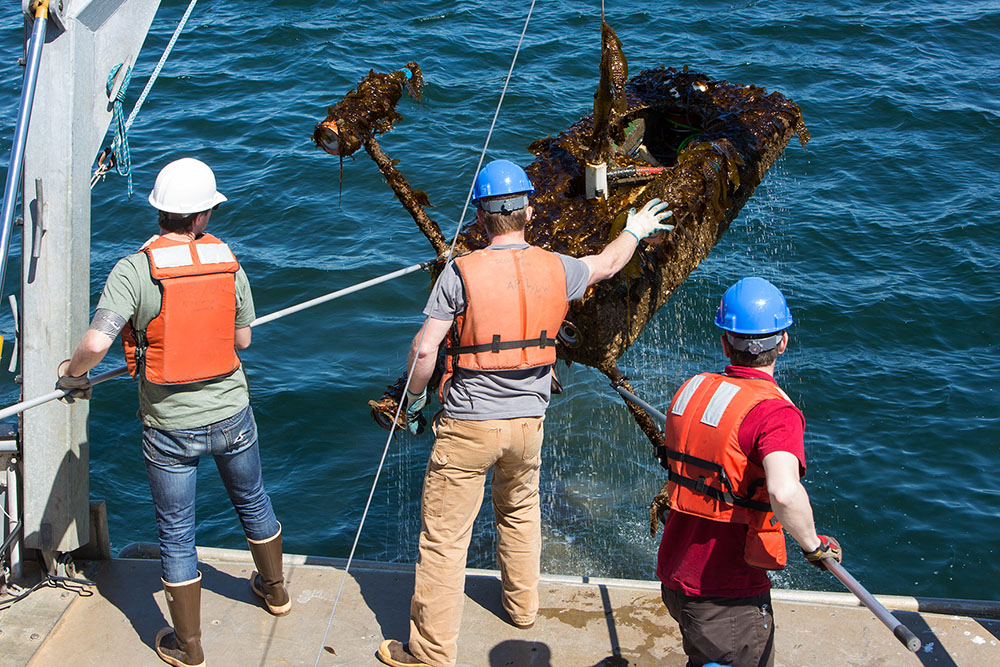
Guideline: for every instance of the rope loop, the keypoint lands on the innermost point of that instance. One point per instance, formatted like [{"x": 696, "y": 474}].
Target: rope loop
[{"x": 119, "y": 145}]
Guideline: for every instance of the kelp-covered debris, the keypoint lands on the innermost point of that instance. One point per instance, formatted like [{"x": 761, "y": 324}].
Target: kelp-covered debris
[
  {"x": 712, "y": 142},
  {"x": 367, "y": 110}
]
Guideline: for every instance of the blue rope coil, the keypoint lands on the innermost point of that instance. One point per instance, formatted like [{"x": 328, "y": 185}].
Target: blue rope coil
[{"x": 119, "y": 145}]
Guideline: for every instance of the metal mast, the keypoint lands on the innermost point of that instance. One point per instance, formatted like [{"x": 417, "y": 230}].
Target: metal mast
[{"x": 69, "y": 120}]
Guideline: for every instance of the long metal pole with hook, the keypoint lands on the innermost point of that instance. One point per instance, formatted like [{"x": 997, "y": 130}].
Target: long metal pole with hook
[
  {"x": 18, "y": 408},
  {"x": 32, "y": 63},
  {"x": 902, "y": 633}
]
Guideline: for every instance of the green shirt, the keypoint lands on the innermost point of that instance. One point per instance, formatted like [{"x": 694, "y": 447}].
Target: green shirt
[{"x": 131, "y": 293}]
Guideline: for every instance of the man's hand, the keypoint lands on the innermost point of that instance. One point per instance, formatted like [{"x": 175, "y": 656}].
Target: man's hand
[
  {"x": 648, "y": 220},
  {"x": 414, "y": 404},
  {"x": 79, "y": 385},
  {"x": 828, "y": 549}
]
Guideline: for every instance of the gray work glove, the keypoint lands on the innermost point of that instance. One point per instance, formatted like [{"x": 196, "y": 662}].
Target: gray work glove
[
  {"x": 80, "y": 386},
  {"x": 648, "y": 220},
  {"x": 414, "y": 404}
]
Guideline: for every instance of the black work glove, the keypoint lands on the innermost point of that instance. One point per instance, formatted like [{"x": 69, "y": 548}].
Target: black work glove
[
  {"x": 829, "y": 549},
  {"x": 80, "y": 386}
]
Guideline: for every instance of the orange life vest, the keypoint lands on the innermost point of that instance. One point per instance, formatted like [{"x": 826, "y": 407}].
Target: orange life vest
[
  {"x": 515, "y": 302},
  {"x": 192, "y": 338},
  {"x": 709, "y": 475}
]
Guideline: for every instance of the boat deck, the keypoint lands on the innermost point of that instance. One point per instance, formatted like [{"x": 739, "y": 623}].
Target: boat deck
[{"x": 582, "y": 622}]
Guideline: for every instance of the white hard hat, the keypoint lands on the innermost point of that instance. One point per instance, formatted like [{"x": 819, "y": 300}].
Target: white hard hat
[{"x": 185, "y": 186}]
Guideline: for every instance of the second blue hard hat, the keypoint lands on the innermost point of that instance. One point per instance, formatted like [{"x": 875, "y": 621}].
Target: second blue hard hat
[
  {"x": 753, "y": 306},
  {"x": 497, "y": 180}
]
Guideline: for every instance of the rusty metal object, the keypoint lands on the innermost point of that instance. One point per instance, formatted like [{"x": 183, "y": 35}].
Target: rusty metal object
[
  {"x": 367, "y": 110},
  {"x": 715, "y": 141}
]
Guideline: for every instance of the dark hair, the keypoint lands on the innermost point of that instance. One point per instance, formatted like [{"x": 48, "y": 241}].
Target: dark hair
[
  {"x": 744, "y": 358},
  {"x": 177, "y": 223},
  {"x": 501, "y": 223}
]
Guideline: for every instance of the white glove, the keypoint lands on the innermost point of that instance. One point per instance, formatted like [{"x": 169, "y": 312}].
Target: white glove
[{"x": 647, "y": 221}]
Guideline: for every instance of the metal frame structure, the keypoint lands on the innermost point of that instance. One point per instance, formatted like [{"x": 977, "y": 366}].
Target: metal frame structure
[{"x": 69, "y": 119}]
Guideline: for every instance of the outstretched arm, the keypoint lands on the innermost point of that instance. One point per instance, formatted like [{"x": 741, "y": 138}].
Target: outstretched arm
[
  {"x": 616, "y": 254},
  {"x": 610, "y": 260},
  {"x": 95, "y": 343},
  {"x": 789, "y": 499}
]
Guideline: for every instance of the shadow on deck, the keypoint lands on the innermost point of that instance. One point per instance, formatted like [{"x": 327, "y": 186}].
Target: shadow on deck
[{"x": 582, "y": 622}]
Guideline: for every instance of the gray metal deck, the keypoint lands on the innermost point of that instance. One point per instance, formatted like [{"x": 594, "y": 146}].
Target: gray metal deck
[{"x": 581, "y": 622}]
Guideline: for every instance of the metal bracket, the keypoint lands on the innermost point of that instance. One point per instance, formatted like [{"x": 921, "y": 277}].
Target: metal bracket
[
  {"x": 38, "y": 228},
  {"x": 57, "y": 11},
  {"x": 119, "y": 80},
  {"x": 17, "y": 333}
]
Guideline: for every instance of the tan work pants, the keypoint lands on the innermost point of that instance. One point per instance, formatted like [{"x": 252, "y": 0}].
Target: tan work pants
[{"x": 453, "y": 492}]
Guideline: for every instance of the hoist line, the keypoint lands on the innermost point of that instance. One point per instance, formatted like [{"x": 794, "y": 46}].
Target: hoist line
[
  {"x": 102, "y": 169},
  {"x": 409, "y": 374},
  {"x": 159, "y": 65},
  {"x": 17, "y": 408}
]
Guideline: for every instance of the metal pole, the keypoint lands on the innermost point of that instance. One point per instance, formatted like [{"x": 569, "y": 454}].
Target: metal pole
[
  {"x": 21, "y": 133},
  {"x": 339, "y": 293},
  {"x": 902, "y": 633},
  {"x": 653, "y": 412},
  {"x": 18, "y": 408}
]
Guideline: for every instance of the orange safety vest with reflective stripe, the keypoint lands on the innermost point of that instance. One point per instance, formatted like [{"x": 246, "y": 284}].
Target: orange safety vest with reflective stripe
[
  {"x": 192, "y": 338},
  {"x": 515, "y": 303},
  {"x": 709, "y": 474}
]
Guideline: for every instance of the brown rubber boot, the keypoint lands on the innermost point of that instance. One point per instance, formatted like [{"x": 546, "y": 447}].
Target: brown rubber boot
[
  {"x": 181, "y": 645},
  {"x": 269, "y": 581},
  {"x": 397, "y": 654}
]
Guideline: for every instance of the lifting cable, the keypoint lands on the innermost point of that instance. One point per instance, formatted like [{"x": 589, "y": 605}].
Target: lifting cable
[
  {"x": 423, "y": 331},
  {"x": 17, "y": 408},
  {"x": 121, "y": 137}
]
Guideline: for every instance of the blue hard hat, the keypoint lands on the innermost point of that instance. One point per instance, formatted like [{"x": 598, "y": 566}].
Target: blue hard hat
[
  {"x": 499, "y": 178},
  {"x": 753, "y": 306}
]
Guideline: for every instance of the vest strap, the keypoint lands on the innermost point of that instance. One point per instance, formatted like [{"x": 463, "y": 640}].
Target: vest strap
[
  {"x": 543, "y": 341},
  {"x": 699, "y": 486}
]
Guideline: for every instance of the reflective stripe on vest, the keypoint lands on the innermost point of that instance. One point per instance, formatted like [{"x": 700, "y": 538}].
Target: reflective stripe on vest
[
  {"x": 709, "y": 474},
  {"x": 192, "y": 338}
]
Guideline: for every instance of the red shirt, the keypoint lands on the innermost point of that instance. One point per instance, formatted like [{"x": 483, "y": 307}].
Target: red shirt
[{"x": 702, "y": 557}]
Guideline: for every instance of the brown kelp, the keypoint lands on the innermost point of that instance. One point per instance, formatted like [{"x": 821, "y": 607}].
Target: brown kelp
[{"x": 702, "y": 145}]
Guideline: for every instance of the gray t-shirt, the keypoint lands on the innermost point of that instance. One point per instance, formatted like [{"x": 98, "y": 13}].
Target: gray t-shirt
[
  {"x": 131, "y": 293},
  {"x": 480, "y": 395}
]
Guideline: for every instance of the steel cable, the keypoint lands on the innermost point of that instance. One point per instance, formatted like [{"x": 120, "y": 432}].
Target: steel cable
[{"x": 399, "y": 408}]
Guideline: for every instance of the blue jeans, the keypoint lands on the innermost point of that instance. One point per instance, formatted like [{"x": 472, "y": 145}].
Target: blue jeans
[{"x": 172, "y": 465}]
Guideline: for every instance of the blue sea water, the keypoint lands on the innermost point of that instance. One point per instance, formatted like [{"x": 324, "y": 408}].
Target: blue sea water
[{"x": 882, "y": 233}]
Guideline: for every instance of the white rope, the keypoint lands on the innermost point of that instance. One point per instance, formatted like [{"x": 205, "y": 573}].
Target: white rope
[
  {"x": 103, "y": 168},
  {"x": 159, "y": 65},
  {"x": 399, "y": 408}
]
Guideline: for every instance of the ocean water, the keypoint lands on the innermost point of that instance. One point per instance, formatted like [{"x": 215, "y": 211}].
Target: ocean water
[{"x": 882, "y": 234}]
